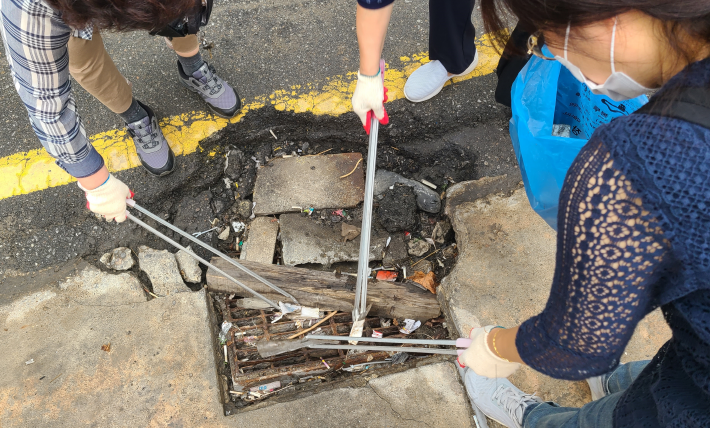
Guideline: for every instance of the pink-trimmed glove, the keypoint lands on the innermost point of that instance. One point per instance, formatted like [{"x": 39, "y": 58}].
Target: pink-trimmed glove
[
  {"x": 109, "y": 199},
  {"x": 481, "y": 359},
  {"x": 369, "y": 98}
]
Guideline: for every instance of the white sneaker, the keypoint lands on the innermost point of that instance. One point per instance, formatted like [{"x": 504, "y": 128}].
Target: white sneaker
[
  {"x": 498, "y": 398},
  {"x": 596, "y": 385},
  {"x": 429, "y": 79}
]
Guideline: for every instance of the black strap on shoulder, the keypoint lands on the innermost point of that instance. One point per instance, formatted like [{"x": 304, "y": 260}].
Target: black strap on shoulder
[{"x": 684, "y": 103}]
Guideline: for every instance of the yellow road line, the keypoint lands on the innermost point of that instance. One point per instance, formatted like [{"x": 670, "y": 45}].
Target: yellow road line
[{"x": 35, "y": 170}]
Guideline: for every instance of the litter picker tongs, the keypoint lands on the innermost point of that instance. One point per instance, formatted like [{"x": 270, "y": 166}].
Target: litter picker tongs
[
  {"x": 459, "y": 345},
  {"x": 131, "y": 203},
  {"x": 360, "y": 308}
]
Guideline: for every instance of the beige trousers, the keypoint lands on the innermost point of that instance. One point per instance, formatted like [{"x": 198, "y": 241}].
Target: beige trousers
[{"x": 95, "y": 71}]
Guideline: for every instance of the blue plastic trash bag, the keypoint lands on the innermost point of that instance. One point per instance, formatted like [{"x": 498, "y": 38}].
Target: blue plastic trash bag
[{"x": 546, "y": 94}]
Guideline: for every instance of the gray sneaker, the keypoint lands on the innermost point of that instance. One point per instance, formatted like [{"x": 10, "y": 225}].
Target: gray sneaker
[
  {"x": 221, "y": 98},
  {"x": 498, "y": 398},
  {"x": 153, "y": 150}
]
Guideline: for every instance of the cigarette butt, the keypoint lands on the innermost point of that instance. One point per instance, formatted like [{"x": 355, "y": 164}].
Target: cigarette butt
[{"x": 426, "y": 183}]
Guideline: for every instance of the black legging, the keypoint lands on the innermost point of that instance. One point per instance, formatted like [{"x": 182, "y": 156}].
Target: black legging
[{"x": 451, "y": 34}]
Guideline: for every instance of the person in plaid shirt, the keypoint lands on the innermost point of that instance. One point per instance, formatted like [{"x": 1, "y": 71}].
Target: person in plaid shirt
[{"x": 47, "y": 40}]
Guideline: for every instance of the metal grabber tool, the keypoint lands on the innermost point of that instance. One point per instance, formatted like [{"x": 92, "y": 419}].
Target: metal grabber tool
[
  {"x": 360, "y": 309},
  {"x": 131, "y": 203},
  {"x": 276, "y": 347}
]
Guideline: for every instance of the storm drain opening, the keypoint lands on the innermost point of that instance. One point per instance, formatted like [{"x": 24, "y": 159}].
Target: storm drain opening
[{"x": 251, "y": 381}]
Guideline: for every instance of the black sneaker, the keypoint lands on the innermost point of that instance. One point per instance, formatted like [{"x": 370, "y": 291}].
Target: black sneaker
[
  {"x": 221, "y": 98},
  {"x": 152, "y": 147}
]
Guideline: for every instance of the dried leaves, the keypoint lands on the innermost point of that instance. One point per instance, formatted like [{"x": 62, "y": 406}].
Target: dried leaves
[{"x": 427, "y": 280}]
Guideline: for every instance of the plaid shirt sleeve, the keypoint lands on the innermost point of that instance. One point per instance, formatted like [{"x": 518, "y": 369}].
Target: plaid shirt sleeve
[{"x": 36, "y": 46}]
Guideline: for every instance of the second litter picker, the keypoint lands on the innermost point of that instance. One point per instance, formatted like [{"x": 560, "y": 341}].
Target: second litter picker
[{"x": 360, "y": 308}]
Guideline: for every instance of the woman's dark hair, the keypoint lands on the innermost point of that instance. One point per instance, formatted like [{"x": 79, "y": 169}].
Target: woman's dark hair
[
  {"x": 121, "y": 15},
  {"x": 691, "y": 17}
]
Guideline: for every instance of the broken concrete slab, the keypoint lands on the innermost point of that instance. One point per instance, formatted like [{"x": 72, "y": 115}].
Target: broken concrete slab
[
  {"x": 93, "y": 286},
  {"x": 415, "y": 392},
  {"x": 427, "y": 396},
  {"x": 18, "y": 309},
  {"x": 503, "y": 276},
  {"x": 189, "y": 266},
  {"x": 396, "y": 251},
  {"x": 162, "y": 270},
  {"x": 261, "y": 242},
  {"x": 158, "y": 371},
  {"x": 309, "y": 181},
  {"x": 468, "y": 191},
  {"x": 118, "y": 259},
  {"x": 305, "y": 241}
]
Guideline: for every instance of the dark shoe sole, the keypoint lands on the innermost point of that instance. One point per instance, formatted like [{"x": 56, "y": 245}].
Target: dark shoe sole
[{"x": 166, "y": 169}]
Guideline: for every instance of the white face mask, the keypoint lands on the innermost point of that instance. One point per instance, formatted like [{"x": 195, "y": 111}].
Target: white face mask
[{"x": 619, "y": 86}]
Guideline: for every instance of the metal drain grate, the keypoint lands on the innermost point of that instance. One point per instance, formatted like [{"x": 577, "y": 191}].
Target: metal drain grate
[{"x": 249, "y": 369}]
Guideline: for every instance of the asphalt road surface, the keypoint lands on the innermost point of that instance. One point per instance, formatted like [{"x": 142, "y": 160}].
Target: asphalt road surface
[{"x": 263, "y": 47}]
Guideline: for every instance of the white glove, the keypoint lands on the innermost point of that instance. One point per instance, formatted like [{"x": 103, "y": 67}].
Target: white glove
[
  {"x": 481, "y": 359},
  {"x": 370, "y": 95},
  {"x": 109, "y": 199}
]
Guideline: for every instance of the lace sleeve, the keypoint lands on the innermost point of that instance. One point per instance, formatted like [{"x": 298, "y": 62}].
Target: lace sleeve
[{"x": 609, "y": 250}]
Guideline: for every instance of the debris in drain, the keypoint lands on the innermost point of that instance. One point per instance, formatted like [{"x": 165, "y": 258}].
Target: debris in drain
[
  {"x": 226, "y": 326},
  {"x": 418, "y": 247},
  {"x": 198, "y": 234},
  {"x": 427, "y": 280},
  {"x": 224, "y": 234},
  {"x": 441, "y": 231},
  {"x": 310, "y": 312},
  {"x": 427, "y": 199},
  {"x": 238, "y": 227},
  {"x": 118, "y": 259},
  {"x": 253, "y": 377},
  {"x": 364, "y": 366},
  {"x": 399, "y": 358},
  {"x": 349, "y": 232},
  {"x": 266, "y": 387},
  {"x": 397, "y": 209},
  {"x": 331, "y": 315},
  {"x": 387, "y": 275},
  {"x": 410, "y": 326},
  {"x": 428, "y": 184}
]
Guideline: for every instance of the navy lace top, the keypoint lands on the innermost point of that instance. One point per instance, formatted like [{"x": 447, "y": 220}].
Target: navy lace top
[{"x": 634, "y": 235}]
